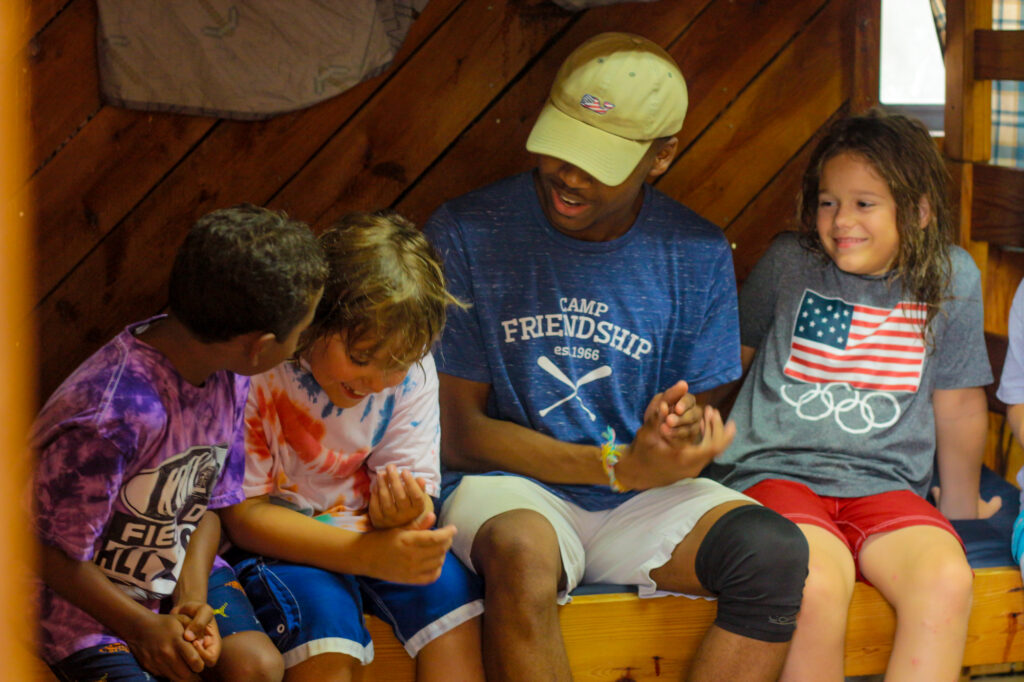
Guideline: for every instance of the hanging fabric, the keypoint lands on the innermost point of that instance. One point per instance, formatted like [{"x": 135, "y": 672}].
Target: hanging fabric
[{"x": 244, "y": 59}]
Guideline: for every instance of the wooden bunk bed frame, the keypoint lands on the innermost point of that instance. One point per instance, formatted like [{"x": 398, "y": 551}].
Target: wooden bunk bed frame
[{"x": 615, "y": 636}]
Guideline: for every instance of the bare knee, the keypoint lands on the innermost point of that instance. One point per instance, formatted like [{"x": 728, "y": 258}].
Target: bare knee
[
  {"x": 956, "y": 577},
  {"x": 827, "y": 588},
  {"x": 947, "y": 584},
  {"x": 258, "y": 667},
  {"x": 518, "y": 550},
  {"x": 830, "y": 581},
  {"x": 249, "y": 656}
]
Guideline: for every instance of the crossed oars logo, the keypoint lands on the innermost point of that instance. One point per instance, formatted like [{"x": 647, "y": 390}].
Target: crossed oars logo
[{"x": 592, "y": 375}]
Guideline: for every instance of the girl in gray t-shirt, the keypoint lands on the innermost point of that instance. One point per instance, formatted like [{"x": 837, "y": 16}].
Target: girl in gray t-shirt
[{"x": 864, "y": 339}]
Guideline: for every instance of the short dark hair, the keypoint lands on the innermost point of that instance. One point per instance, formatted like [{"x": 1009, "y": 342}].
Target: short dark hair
[
  {"x": 245, "y": 269},
  {"x": 386, "y": 285}
]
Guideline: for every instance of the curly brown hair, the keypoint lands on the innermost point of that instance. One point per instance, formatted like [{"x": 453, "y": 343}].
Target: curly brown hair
[
  {"x": 245, "y": 269},
  {"x": 902, "y": 152},
  {"x": 386, "y": 285}
]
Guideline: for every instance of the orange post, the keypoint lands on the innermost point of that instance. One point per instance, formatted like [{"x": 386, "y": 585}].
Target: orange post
[{"x": 17, "y": 358}]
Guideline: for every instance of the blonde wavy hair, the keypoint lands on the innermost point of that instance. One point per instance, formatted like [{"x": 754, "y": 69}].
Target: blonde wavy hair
[{"x": 386, "y": 285}]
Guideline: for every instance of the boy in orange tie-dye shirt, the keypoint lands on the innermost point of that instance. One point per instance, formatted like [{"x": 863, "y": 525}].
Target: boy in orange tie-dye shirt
[{"x": 341, "y": 463}]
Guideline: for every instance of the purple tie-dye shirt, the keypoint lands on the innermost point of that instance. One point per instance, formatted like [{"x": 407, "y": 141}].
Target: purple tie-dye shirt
[{"x": 130, "y": 457}]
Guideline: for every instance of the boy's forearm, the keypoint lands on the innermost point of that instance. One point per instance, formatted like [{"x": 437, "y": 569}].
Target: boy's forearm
[
  {"x": 961, "y": 426},
  {"x": 261, "y": 527},
  {"x": 493, "y": 444},
  {"x": 83, "y": 584},
  {"x": 474, "y": 442},
  {"x": 194, "y": 578},
  {"x": 959, "y": 497}
]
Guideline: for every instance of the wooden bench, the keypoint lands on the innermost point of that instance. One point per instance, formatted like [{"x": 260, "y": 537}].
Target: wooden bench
[{"x": 619, "y": 637}]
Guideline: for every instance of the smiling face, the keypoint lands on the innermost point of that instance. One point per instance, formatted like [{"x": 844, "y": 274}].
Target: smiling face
[
  {"x": 856, "y": 216},
  {"x": 348, "y": 375},
  {"x": 578, "y": 205}
]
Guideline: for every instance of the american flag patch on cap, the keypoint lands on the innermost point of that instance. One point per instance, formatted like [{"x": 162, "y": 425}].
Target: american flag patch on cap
[{"x": 596, "y": 105}]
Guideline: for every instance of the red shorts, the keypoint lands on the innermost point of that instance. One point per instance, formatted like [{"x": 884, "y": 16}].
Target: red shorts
[{"x": 851, "y": 519}]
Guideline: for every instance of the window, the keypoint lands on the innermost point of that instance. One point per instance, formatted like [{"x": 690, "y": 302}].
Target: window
[{"x": 912, "y": 73}]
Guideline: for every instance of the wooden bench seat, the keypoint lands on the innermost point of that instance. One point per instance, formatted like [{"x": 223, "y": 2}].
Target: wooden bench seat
[{"x": 620, "y": 637}]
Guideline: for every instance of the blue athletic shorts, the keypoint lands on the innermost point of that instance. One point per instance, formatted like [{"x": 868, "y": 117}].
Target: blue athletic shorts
[
  {"x": 308, "y": 611},
  {"x": 231, "y": 606},
  {"x": 114, "y": 661}
]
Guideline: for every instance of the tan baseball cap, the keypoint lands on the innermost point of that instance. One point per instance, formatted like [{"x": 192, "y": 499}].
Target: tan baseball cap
[{"x": 612, "y": 96}]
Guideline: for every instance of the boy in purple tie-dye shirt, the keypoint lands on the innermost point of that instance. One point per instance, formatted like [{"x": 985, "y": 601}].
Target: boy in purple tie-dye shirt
[{"x": 143, "y": 439}]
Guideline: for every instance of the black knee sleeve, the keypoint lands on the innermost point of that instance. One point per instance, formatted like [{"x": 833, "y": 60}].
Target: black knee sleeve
[{"x": 755, "y": 562}]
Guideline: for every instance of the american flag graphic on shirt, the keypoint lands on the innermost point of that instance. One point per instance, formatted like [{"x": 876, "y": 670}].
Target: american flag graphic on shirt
[{"x": 868, "y": 348}]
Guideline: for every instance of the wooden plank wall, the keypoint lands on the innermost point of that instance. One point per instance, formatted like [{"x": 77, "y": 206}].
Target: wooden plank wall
[
  {"x": 116, "y": 189},
  {"x": 1004, "y": 271}
]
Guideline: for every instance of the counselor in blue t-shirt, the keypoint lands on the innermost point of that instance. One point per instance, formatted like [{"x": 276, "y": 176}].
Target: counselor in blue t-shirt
[{"x": 575, "y": 336}]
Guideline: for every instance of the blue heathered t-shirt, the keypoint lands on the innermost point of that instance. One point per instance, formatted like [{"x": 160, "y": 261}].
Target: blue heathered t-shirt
[{"x": 577, "y": 336}]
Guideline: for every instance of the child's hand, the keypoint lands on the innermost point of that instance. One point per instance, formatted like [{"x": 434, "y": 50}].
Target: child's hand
[
  {"x": 398, "y": 499},
  {"x": 716, "y": 436},
  {"x": 159, "y": 644},
  {"x": 409, "y": 556},
  {"x": 989, "y": 509},
  {"x": 200, "y": 629},
  {"x": 682, "y": 419}
]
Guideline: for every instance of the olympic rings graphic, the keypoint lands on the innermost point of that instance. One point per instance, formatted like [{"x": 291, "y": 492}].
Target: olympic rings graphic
[{"x": 842, "y": 408}]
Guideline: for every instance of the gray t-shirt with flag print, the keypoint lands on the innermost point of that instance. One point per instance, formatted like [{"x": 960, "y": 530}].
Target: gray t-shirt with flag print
[{"x": 839, "y": 395}]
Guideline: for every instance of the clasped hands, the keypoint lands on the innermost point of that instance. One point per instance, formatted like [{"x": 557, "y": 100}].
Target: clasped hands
[
  {"x": 178, "y": 645},
  {"x": 402, "y": 516},
  {"x": 677, "y": 439}
]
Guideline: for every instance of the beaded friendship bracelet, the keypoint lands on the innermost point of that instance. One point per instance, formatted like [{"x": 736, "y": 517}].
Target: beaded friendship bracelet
[{"x": 610, "y": 455}]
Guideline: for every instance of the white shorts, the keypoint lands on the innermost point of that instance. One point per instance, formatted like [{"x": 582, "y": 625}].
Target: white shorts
[{"x": 617, "y": 546}]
